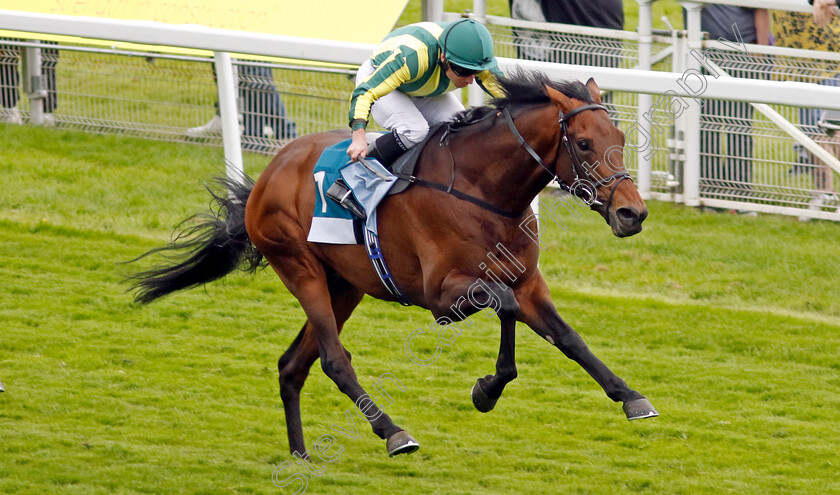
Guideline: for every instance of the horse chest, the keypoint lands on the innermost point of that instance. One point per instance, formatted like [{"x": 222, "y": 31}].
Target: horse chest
[
  {"x": 512, "y": 237},
  {"x": 504, "y": 254}
]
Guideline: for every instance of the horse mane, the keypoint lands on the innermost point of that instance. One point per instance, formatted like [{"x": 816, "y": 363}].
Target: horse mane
[{"x": 524, "y": 88}]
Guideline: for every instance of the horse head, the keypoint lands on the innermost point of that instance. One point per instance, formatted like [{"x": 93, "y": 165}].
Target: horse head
[{"x": 590, "y": 162}]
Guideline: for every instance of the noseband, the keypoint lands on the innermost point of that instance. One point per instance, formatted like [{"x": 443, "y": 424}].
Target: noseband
[{"x": 585, "y": 186}]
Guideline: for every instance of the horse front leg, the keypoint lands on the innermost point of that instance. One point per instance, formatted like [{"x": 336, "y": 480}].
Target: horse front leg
[
  {"x": 463, "y": 296},
  {"x": 539, "y": 313},
  {"x": 486, "y": 391}
]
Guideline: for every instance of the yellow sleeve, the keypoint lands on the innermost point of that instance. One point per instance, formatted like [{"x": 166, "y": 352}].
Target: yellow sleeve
[{"x": 390, "y": 75}]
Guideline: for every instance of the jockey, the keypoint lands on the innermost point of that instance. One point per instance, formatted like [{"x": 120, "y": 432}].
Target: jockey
[{"x": 423, "y": 62}]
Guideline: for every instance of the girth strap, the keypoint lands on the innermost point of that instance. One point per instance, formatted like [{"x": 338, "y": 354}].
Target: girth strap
[
  {"x": 374, "y": 251},
  {"x": 460, "y": 195}
]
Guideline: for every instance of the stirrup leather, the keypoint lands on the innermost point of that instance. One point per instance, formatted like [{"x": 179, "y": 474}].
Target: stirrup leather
[{"x": 341, "y": 194}]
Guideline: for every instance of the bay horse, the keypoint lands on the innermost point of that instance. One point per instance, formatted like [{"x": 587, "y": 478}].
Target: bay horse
[{"x": 431, "y": 240}]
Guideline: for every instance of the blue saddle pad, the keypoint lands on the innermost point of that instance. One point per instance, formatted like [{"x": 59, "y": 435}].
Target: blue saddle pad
[{"x": 331, "y": 223}]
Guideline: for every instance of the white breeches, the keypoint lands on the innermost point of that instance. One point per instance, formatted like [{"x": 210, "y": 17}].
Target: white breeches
[{"x": 409, "y": 116}]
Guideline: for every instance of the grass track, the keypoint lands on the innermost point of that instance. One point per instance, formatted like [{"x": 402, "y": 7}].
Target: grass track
[{"x": 729, "y": 324}]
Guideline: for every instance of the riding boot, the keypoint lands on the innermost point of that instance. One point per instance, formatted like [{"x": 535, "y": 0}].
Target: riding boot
[{"x": 386, "y": 149}]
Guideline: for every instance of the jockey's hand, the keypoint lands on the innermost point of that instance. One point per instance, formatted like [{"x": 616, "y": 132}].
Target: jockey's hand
[{"x": 358, "y": 148}]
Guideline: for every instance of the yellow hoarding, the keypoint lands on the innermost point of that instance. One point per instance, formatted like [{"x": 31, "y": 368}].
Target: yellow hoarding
[{"x": 363, "y": 21}]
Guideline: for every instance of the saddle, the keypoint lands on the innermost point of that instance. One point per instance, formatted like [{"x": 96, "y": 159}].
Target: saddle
[{"x": 403, "y": 167}]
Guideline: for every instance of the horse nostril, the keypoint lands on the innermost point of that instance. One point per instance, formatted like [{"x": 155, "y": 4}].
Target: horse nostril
[{"x": 629, "y": 216}]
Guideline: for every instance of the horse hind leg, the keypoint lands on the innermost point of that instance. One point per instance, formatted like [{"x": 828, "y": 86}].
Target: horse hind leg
[
  {"x": 294, "y": 367},
  {"x": 337, "y": 367},
  {"x": 296, "y": 362}
]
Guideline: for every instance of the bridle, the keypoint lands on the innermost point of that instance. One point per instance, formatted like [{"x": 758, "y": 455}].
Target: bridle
[{"x": 585, "y": 186}]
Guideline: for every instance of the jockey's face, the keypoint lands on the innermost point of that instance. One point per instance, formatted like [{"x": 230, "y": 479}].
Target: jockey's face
[{"x": 458, "y": 81}]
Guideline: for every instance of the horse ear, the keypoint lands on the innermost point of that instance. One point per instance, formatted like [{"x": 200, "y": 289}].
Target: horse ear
[
  {"x": 594, "y": 90},
  {"x": 565, "y": 101}
]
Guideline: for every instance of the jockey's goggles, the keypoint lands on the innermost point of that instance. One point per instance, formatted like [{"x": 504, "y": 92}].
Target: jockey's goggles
[{"x": 462, "y": 71}]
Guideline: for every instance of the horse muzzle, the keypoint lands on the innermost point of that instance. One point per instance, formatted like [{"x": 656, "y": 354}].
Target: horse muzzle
[
  {"x": 626, "y": 220},
  {"x": 625, "y": 210}
]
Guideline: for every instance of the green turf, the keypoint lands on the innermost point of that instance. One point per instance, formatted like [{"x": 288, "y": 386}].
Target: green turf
[{"x": 729, "y": 324}]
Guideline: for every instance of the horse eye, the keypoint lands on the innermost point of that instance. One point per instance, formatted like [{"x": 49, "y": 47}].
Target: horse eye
[{"x": 584, "y": 145}]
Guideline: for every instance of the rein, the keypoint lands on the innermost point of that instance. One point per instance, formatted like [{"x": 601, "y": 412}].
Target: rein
[
  {"x": 444, "y": 140},
  {"x": 460, "y": 195},
  {"x": 580, "y": 187}
]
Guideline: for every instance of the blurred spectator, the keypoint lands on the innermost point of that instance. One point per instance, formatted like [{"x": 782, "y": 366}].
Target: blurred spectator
[
  {"x": 824, "y": 11},
  {"x": 597, "y": 52},
  {"x": 798, "y": 30},
  {"x": 733, "y": 117},
  {"x": 263, "y": 113},
  {"x": 10, "y": 83}
]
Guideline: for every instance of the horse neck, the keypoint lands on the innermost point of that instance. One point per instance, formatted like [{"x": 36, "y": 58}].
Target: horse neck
[{"x": 490, "y": 160}]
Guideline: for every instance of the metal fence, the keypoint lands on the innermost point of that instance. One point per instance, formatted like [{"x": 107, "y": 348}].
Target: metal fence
[
  {"x": 745, "y": 159},
  {"x": 594, "y": 47},
  {"x": 173, "y": 97}
]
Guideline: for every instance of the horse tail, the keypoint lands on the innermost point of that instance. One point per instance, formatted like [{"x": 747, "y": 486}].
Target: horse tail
[{"x": 207, "y": 247}]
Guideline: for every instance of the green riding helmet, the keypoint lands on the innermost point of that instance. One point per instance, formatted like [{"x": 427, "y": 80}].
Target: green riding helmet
[{"x": 467, "y": 43}]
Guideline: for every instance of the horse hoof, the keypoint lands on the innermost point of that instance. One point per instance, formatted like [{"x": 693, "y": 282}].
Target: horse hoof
[
  {"x": 480, "y": 400},
  {"x": 2, "y": 389},
  {"x": 639, "y": 409},
  {"x": 401, "y": 443}
]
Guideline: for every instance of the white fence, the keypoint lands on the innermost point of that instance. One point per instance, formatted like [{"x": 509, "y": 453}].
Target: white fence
[{"x": 669, "y": 163}]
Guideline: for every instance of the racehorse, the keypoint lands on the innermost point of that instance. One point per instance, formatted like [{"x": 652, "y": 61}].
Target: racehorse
[{"x": 431, "y": 237}]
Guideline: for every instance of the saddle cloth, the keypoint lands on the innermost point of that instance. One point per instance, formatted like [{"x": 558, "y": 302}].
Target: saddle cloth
[{"x": 369, "y": 181}]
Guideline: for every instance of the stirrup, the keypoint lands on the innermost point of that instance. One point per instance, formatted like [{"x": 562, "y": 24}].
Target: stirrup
[{"x": 341, "y": 194}]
